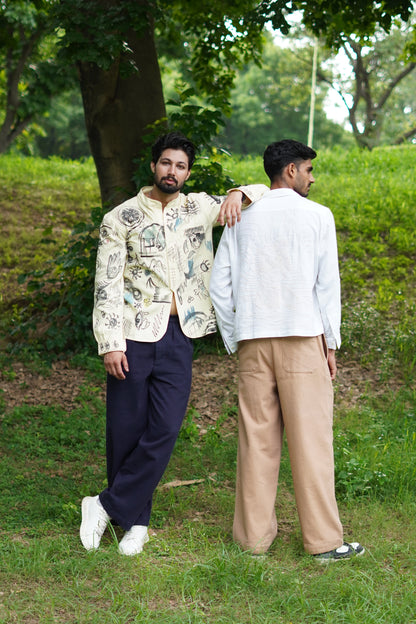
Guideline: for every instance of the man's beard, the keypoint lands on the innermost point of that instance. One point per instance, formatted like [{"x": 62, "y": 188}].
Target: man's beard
[
  {"x": 302, "y": 191},
  {"x": 168, "y": 189}
]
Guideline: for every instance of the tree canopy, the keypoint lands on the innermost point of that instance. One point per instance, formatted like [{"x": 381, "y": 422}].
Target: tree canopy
[
  {"x": 335, "y": 19},
  {"x": 114, "y": 49},
  {"x": 272, "y": 102}
]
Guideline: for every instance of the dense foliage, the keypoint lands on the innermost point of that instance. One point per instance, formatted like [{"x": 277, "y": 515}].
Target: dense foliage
[{"x": 272, "y": 102}]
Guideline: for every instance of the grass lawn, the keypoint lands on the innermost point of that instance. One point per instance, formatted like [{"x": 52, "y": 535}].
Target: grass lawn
[{"x": 190, "y": 571}]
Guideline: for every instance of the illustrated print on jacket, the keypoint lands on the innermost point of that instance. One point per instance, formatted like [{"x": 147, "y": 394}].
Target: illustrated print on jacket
[{"x": 146, "y": 256}]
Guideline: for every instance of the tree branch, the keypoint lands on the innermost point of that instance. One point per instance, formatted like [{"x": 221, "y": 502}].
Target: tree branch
[
  {"x": 394, "y": 82},
  {"x": 406, "y": 135},
  {"x": 12, "y": 126}
]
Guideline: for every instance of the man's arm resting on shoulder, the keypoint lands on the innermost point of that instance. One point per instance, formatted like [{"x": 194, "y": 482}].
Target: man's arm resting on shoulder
[
  {"x": 237, "y": 199},
  {"x": 116, "y": 364},
  {"x": 230, "y": 211}
]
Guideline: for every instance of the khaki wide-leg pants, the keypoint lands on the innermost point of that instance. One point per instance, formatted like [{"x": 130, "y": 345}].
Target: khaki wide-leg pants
[{"x": 284, "y": 384}]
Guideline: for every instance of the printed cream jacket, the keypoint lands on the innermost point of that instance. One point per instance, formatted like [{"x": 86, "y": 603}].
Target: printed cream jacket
[{"x": 145, "y": 255}]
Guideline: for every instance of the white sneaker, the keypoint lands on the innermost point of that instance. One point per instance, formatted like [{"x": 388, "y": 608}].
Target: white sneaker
[
  {"x": 94, "y": 522},
  {"x": 134, "y": 540}
]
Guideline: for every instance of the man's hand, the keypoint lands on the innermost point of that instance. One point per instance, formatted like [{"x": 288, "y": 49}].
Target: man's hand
[
  {"x": 231, "y": 208},
  {"x": 115, "y": 363},
  {"x": 332, "y": 363}
]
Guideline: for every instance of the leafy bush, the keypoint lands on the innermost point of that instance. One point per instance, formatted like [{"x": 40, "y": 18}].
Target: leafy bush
[
  {"x": 375, "y": 456},
  {"x": 58, "y": 315}
]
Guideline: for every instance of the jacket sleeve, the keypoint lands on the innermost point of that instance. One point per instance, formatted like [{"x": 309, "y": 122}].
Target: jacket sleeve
[
  {"x": 251, "y": 192},
  {"x": 109, "y": 287}
]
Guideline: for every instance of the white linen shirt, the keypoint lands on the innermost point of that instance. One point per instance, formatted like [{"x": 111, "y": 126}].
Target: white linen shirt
[
  {"x": 276, "y": 272},
  {"x": 145, "y": 255}
]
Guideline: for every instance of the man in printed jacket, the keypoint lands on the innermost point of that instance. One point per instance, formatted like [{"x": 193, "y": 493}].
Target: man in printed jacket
[{"x": 151, "y": 299}]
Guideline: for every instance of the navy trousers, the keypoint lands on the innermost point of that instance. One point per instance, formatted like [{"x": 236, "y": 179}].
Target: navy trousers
[{"x": 144, "y": 415}]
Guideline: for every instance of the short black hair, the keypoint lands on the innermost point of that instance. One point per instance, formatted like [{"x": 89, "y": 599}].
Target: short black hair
[
  {"x": 174, "y": 140},
  {"x": 281, "y": 153}
]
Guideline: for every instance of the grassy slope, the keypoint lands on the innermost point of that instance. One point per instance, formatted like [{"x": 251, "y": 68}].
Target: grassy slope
[
  {"x": 39, "y": 199},
  {"x": 191, "y": 571}
]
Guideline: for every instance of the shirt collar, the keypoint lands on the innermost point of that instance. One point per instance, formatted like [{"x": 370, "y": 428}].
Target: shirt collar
[
  {"x": 154, "y": 204},
  {"x": 282, "y": 192}
]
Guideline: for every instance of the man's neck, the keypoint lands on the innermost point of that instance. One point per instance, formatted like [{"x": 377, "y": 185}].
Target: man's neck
[{"x": 278, "y": 185}]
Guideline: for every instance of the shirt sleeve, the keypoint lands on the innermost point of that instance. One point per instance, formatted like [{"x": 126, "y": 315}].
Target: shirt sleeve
[
  {"x": 328, "y": 288},
  {"x": 221, "y": 290},
  {"x": 109, "y": 287}
]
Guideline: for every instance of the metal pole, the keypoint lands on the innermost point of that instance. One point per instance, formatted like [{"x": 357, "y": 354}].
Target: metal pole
[{"x": 313, "y": 89}]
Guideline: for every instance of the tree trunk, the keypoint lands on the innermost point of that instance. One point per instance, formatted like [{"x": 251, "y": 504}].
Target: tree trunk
[{"x": 117, "y": 110}]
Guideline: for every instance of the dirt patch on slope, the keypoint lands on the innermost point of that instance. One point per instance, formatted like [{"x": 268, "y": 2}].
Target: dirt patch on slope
[{"x": 214, "y": 385}]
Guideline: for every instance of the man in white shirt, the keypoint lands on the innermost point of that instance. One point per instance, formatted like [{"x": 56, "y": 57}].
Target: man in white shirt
[
  {"x": 154, "y": 262},
  {"x": 276, "y": 292}
]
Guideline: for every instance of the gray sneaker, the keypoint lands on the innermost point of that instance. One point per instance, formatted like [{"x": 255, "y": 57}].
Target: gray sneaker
[
  {"x": 94, "y": 522},
  {"x": 346, "y": 551}
]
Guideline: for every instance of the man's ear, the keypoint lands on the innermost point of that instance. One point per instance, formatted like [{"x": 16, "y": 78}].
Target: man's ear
[
  {"x": 153, "y": 166},
  {"x": 291, "y": 170},
  {"x": 189, "y": 173}
]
